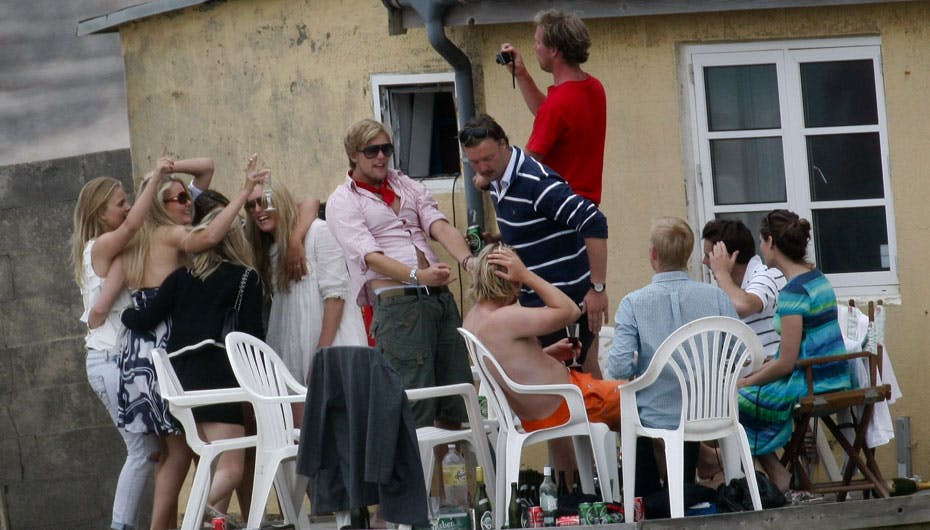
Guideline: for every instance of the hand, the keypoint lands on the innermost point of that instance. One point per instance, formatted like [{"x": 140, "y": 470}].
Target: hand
[
  {"x": 517, "y": 67},
  {"x": 721, "y": 262},
  {"x": 254, "y": 176},
  {"x": 563, "y": 350},
  {"x": 296, "y": 261},
  {"x": 514, "y": 269},
  {"x": 95, "y": 319},
  {"x": 595, "y": 306},
  {"x": 435, "y": 275},
  {"x": 164, "y": 165}
]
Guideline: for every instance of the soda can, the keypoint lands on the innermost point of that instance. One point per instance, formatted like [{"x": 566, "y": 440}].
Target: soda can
[
  {"x": 639, "y": 509},
  {"x": 568, "y": 520},
  {"x": 219, "y": 523},
  {"x": 599, "y": 513},
  {"x": 584, "y": 513},
  {"x": 536, "y": 516},
  {"x": 473, "y": 235}
]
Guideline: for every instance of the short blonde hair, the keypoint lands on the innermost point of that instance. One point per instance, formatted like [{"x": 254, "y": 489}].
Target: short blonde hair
[
  {"x": 360, "y": 133},
  {"x": 488, "y": 286},
  {"x": 674, "y": 242}
]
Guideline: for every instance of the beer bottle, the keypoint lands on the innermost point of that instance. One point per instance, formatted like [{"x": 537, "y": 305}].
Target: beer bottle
[
  {"x": 513, "y": 510},
  {"x": 484, "y": 517},
  {"x": 562, "y": 486}
]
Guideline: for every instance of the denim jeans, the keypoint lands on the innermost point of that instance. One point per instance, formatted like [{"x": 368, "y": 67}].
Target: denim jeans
[{"x": 103, "y": 376}]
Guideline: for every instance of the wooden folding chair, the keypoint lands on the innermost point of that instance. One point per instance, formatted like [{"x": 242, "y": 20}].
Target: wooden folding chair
[{"x": 859, "y": 457}]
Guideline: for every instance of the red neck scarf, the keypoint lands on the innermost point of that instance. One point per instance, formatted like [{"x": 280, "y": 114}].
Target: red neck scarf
[{"x": 383, "y": 190}]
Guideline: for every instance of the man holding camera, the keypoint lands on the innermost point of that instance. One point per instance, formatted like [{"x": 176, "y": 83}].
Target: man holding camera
[{"x": 571, "y": 119}]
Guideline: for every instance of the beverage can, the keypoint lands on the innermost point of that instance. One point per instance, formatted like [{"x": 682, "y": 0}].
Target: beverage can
[
  {"x": 639, "y": 509},
  {"x": 473, "y": 235},
  {"x": 584, "y": 513},
  {"x": 219, "y": 523},
  {"x": 568, "y": 520},
  {"x": 535, "y": 516},
  {"x": 599, "y": 512}
]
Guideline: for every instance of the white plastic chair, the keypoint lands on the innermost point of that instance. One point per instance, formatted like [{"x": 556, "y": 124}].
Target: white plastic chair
[
  {"x": 430, "y": 437},
  {"x": 707, "y": 356},
  {"x": 182, "y": 402},
  {"x": 512, "y": 438},
  {"x": 271, "y": 389}
]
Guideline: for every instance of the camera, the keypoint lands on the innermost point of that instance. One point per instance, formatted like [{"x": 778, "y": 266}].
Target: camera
[{"x": 504, "y": 58}]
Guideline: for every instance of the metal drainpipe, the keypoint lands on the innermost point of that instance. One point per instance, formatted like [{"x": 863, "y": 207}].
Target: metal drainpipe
[{"x": 431, "y": 11}]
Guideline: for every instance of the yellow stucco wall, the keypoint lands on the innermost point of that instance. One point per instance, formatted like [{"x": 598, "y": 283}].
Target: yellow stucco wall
[{"x": 286, "y": 78}]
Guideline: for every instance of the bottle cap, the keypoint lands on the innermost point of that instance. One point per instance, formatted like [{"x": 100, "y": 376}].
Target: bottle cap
[{"x": 547, "y": 471}]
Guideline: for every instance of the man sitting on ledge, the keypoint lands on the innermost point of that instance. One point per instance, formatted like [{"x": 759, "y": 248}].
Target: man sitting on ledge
[{"x": 510, "y": 333}]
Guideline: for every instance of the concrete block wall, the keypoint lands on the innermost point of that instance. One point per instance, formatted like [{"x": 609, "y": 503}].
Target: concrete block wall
[{"x": 60, "y": 454}]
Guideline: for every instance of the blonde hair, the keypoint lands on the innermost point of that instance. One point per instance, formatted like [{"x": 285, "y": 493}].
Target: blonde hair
[
  {"x": 87, "y": 222},
  {"x": 261, "y": 242},
  {"x": 136, "y": 252},
  {"x": 674, "y": 242},
  {"x": 489, "y": 286},
  {"x": 360, "y": 133},
  {"x": 233, "y": 248}
]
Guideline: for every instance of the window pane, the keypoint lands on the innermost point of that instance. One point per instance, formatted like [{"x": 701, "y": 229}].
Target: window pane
[
  {"x": 839, "y": 93},
  {"x": 845, "y": 167},
  {"x": 851, "y": 240},
  {"x": 742, "y": 97},
  {"x": 748, "y": 170}
]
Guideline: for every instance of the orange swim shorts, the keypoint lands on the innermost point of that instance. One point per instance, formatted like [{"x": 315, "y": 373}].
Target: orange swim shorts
[{"x": 601, "y": 400}]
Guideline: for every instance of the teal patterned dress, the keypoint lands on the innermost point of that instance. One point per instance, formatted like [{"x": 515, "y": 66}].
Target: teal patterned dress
[{"x": 765, "y": 410}]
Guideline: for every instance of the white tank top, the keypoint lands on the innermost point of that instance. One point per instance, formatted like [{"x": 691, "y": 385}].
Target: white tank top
[{"x": 107, "y": 336}]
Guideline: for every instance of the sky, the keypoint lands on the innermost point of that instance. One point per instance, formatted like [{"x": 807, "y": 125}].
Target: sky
[{"x": 60, "y": 94}]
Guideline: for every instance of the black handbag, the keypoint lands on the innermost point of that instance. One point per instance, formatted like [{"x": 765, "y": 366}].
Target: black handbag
[
  {"x": 231, "y": 320},
  {"x": 734, "y": 497}
]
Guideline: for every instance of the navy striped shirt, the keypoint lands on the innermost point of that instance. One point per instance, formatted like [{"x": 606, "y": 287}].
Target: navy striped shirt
[{"x": 546, "y": 223}]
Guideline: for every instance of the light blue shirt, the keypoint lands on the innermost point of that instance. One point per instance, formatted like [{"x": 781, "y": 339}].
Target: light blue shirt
[{"x": 645, "y": 318}]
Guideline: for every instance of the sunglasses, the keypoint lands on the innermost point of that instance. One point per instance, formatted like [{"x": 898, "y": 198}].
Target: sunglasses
[
  {"x": 254, "y": 203},
  {"x": 473, "y": 135},
  {"x": 371, "y": 151},
  {"x": 181, "y": 198}
]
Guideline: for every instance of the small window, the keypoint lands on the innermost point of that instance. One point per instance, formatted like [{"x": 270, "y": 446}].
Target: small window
[
  {"x": 420, "y": 111},
  {"x": 799, "y": 125}
]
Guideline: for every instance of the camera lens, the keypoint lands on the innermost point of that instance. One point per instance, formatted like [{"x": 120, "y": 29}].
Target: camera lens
[{"x": 503, "y": 58}]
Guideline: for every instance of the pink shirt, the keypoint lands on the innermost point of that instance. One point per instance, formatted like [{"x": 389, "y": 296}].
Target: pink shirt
[{"x": 363, "y": 223}]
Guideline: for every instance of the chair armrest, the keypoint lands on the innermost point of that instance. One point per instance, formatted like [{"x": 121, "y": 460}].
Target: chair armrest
[
  {"x": 198, "y": 398},
  {"x": 465, "y": 390},
  {"x": 292, "y": 398},
  {"x": 192, "y": 347},
  {"x": 804, "y": 363}
]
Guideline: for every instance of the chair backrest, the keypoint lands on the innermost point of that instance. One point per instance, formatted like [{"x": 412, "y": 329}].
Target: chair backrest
[
  {"x": 604, "y": 341},
  {"x": 170, "y": 387},
  {"x": 262, "y": 374},
  {"x": 497, "y": 400},
  {"x": 708, "y": 356}
]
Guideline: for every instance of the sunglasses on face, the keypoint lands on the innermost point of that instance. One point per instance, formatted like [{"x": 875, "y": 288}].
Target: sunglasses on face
[
  {"x": 473, "y": 135},
  {"x": 371, "y": 151},
  {"x": 181, "y": 198},
  {"x": 254, "y": 203}
]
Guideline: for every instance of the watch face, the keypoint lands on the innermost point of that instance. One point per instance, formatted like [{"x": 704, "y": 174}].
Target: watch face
[{"x": 598, "y": 287}]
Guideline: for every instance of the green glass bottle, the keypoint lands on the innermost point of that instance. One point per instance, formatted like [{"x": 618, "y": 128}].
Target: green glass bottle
[{"x": 484, "y": 516}]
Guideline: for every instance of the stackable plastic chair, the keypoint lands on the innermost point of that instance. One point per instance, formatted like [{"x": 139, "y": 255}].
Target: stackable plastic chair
[
  {"x": 271, "y": 389},
  {"x": 588, "y": 438},
  {"x": 476, "y": 433},
  {"x": 182, "y": 402},
  {"x": 707, "y": 356}
]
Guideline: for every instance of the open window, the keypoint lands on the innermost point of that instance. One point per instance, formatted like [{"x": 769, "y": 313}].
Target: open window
[
  {"x": 420, "y": 111},
  {"x": 799, "y": 125}
]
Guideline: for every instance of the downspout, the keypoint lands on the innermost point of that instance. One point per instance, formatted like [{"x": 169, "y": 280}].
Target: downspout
[{"x": 431, "y": 12}]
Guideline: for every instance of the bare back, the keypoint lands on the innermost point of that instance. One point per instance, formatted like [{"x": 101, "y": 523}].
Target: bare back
[
  {"x": 164, "y": 254},
  {"x": 505, "y": 330}
]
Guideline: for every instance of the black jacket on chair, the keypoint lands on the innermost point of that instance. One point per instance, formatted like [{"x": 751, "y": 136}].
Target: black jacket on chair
[{"x": 358, "y": 442}]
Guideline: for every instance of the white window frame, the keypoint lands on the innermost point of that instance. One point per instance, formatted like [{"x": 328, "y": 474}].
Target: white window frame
[
  {"x": 380, "y": 81},
  {"x": 787, "y": 56}
]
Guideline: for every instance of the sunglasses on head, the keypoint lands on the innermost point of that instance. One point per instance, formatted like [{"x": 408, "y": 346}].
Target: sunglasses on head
[
  {"x": 473, "y": 134},
  {"x": 371, "y": 151},
  {"x": 181, "y": 198}
]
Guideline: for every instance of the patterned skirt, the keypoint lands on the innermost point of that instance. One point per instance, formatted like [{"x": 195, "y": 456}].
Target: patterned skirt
[{"x": 141, "y": 407}]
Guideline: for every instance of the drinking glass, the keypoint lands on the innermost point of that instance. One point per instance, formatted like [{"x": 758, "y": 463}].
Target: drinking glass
[
  {"x": 266, "y": 194},
  {"x": 572, "y": 331}
]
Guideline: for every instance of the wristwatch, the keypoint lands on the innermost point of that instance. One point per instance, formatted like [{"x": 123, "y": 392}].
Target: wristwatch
[
  {"x": 413, "y": 276},
  {"x": 598, "y": 287}
]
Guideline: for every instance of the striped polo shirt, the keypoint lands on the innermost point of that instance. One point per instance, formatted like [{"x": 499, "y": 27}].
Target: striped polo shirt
[{"x": 763, "y": 282}]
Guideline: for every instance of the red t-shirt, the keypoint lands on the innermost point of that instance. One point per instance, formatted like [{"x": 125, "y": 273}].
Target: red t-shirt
[{"x": 569, "y": 133}]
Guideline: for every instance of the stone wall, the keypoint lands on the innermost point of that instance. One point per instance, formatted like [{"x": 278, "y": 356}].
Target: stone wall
[{"x": 59, "y": 452}]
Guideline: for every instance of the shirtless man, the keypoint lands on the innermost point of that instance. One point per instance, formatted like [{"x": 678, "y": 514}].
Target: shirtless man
[{"x": 510, "y": 332}]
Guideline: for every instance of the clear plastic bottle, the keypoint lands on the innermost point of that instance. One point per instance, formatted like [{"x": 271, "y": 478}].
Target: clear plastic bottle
[
  {"x": 548, "y": 497},
  {"x": 454, "y": 478}
]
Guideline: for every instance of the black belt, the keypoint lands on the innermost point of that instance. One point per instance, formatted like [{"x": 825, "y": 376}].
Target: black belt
[{"x": 421, "y": 290}]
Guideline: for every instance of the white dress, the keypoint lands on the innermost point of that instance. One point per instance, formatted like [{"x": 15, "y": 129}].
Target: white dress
[{"x": 297, "y": 315}]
